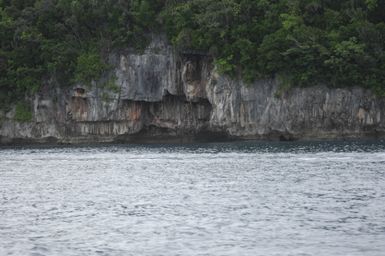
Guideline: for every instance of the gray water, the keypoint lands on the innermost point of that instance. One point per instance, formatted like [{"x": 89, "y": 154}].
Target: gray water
[{"x": 310, "y": 198}]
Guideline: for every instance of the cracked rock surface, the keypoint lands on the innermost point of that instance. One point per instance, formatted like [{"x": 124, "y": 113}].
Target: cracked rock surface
[{"x": 160, "y": 94}]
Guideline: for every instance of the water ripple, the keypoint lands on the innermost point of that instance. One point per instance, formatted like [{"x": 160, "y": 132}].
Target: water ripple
[{"x": 301, "y": 198}]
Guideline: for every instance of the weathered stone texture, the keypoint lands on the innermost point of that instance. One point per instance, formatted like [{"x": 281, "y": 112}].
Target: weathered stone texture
[{"x": 161, "y": 93}]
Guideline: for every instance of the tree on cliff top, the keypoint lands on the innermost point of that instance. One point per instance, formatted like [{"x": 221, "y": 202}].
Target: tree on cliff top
[
  {"x": 305, "y": 42},
  {"x": 339, "y": 43}
]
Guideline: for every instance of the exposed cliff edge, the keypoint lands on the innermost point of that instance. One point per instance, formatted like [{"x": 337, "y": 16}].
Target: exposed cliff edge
[{"x": 161, "y": 95}]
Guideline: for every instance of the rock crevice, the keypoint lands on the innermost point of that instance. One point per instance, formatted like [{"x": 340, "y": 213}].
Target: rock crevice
[{"x": 164, "y": 95}]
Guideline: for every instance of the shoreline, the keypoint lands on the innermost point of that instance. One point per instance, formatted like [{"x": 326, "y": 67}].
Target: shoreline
[{"x": 180, "y": 140}]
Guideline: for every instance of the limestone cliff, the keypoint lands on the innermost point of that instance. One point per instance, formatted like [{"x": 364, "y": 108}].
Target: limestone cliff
[{"x": 162, "y": 95}]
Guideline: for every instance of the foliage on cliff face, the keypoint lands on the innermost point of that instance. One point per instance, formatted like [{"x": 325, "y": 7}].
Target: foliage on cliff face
[
  {"x": 306, "y": 41},
  {"x": 340, "y": 43},
  {"x": 67, "y": 39},
  {"x": 23, "y": 112}
]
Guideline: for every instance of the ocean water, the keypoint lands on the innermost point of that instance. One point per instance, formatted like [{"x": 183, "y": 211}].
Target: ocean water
[{"x": 249, "y": 198}]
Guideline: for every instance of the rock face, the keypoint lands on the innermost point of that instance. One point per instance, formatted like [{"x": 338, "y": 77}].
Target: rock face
[{"x": 160, "y": 95}]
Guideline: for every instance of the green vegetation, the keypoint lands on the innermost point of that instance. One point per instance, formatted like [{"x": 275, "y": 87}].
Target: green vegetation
[
  {"x": 89, "y": 65},
  {"x": 304, "y": 42},
  {"x": 111, "y": 85},
  {"x": 23, "y": 112},
  {"x": 65, "y": 39}
]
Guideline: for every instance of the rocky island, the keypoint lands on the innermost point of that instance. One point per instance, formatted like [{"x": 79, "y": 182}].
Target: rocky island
[{"x": 168, "y": 93}]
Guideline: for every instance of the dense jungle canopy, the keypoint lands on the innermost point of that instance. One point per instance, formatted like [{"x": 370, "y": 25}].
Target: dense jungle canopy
[{"x": 302, "y": 42}]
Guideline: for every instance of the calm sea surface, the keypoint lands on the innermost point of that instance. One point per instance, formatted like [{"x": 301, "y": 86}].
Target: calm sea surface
[{"x": 303, "y": 198}]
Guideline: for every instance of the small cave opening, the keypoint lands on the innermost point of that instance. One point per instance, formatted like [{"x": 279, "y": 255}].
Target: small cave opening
[{"x": 79, "y": 92}]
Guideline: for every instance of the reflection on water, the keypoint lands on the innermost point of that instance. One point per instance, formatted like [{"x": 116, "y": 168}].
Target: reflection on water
[{"x": 302, "y": 198}]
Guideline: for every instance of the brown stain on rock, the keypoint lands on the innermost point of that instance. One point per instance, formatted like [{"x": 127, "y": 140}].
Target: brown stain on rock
[
  {"x": 79, "y": 108},
  {"x": 135, "y": 111}
]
